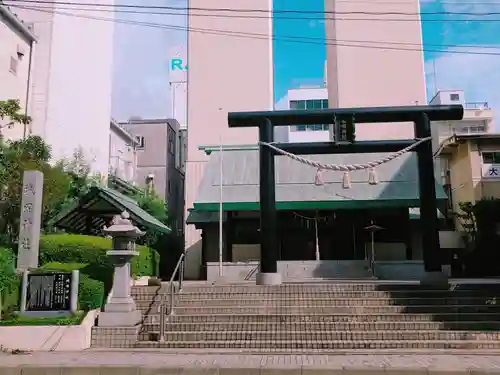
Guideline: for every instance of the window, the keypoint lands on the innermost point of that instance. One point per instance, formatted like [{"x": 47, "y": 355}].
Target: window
[
  {"x": 13, "y": 65},
  {"x": 171, "y": 142},
  {"x": 140, "y": 141},
  {"x": 454, "y": 97},
  {"x": 309, "y": 104},
  {"x": 317, "y": 104},
  {"x": 491, "y": 157}
]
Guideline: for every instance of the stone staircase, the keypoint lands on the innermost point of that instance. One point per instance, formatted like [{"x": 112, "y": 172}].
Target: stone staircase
[{"x": 323, "y": 317}]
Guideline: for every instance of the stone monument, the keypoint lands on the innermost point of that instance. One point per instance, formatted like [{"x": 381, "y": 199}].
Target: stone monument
[
  {"x": 30, "y": 220},
  {"x": 47, "y": 294},
  {"x": 120, "y": 310}
]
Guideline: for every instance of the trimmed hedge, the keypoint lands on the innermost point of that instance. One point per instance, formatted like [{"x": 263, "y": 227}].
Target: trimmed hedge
[
  {"x": 9, "y": 281},
  {"x": 90, "y": 292},
  {"x": 7, "y": 268},
  {"x": 91, "y": 250}
]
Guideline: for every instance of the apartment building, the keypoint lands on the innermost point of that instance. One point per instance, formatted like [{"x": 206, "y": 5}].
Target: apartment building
[
  {"x": 160, "y": 162},
  {"x": 16, "y": 52},
  {"x": 466, "y": 151},
  {"x": 373, "y": 73},
  {"x": 70, "y": 100},
  {"x": 122, "y": 153},
  {"x": 303, "y": 98}
]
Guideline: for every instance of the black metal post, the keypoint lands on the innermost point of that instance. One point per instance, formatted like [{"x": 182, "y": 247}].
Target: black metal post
[
  {"x": 229, "y": 237},
  {"x": 427, "y": 191},
  {"x": 268, "y": 222}
]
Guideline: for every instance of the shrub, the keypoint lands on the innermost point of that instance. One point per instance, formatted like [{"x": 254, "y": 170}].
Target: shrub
[
  {"x": 90, "y": 292},
  {"x": 9, "y": 282},
  {"x": 91, "y": 250},
  {"x": 62, "y": 267},
  {"x": 7, "y": 268}
]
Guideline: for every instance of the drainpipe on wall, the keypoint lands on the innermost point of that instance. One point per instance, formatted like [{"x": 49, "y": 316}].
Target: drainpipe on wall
[
  {"x": 481, "y": 184},
  {"x": 28, "y": 88}
]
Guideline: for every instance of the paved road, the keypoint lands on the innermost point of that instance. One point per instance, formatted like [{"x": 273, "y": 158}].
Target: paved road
[{"x": 139, "y": 360}]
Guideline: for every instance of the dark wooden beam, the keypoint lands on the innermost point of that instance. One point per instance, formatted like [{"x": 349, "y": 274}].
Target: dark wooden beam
[{"x": 361, "y": 115}]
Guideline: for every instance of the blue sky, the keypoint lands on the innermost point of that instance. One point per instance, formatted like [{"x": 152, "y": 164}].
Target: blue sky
[{"x": 141, "y": 55}]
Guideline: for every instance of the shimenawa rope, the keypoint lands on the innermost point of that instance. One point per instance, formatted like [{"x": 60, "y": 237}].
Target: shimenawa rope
[{"x": 346, "y": 168}]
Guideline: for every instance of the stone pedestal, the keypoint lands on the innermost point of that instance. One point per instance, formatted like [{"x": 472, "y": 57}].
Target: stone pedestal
[
  {"x": 438, "y": 279},
  {"x": 120, "y": 310},
  {"x": 268, "y": 278}
]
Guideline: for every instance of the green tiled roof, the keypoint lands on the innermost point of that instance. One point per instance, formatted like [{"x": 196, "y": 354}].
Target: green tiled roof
[
  {"x": 101, "y": 203},
  {"x": 295, "y": 188}
]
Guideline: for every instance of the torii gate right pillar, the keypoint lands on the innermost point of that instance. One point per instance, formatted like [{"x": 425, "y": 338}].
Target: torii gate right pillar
[{"x": 428, "y": 208}]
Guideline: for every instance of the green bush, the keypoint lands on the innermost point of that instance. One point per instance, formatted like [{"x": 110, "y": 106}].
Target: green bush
[
  {"x": 62, "y": 267},
  {"x": 9, "y": 281},
  {"x": 7, "y": 268},
  {"x": 90, "y": 292},
  {"x": 91, "y": 250}
]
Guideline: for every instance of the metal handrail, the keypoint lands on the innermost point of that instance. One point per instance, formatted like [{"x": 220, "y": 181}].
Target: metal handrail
[{"x": 179, "y": 268}]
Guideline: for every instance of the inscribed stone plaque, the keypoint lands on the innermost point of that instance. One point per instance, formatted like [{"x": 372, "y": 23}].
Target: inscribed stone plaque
[
  {"x": 49, "y": 291},
  {"x": 29, "y": 223}
]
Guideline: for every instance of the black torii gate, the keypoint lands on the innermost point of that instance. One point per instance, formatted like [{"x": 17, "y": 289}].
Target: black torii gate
[{"x": 421, "y": 116}]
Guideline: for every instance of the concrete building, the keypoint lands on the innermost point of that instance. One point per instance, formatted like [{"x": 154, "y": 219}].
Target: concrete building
[
  {"x": 466, "y": 152},
  {"x": 304, "y": 98},
  {"x": 378, "y": 75},
  {"x": 16, "y": 52},
  {"x": 160, "y": 162},
  {"x": 122, "y": 153},
  {"x": 472, "y": 163},
  {"x": 70, "y": 101},
  {"x": 226, "y": 73},
  {"x": 178, "y": 84}
]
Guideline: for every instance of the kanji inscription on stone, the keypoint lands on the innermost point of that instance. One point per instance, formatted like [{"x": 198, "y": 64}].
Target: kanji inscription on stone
[{"x": 29, "y": 222}]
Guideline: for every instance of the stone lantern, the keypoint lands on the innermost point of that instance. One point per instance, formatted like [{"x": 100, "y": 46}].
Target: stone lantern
[{"x": 120, "y": 310}]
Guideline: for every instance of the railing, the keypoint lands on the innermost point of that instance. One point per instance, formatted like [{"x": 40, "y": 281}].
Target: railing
[
  {"x": 477, "y": 105},
  {"x": 179, "y": 268}
]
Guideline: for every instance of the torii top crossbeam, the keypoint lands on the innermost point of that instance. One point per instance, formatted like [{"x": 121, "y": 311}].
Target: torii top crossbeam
[{"x": 361, "y": 115}]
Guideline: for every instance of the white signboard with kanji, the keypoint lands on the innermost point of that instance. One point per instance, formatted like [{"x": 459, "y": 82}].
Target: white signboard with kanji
[{"x": 491, "y": 171}]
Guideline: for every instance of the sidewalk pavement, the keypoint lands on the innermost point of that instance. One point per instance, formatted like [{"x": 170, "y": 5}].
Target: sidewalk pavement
[{"x": 136, "y": 362}]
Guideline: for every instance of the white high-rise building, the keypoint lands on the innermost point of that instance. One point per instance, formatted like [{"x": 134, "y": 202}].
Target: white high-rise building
[
  {"x": 177, "y": 66},
  {"x": 72, "y": 81},
  {"x": 303, "y": 98}
]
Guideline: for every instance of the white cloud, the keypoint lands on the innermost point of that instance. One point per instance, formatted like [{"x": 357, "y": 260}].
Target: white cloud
[
  {"x": 140, "y": 81},
  {"x": 477, "y": 75}
]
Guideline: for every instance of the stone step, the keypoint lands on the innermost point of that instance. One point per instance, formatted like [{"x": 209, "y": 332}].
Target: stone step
[
  {"x": 485, "y": 295},
  {"x": 205, "y": 318},
  {"x": 326, "y": 326},
  {"x": 321, "y": 301},
  {"x": 321, "y": 345},
  {"x": 319, "y": 287},
  {"x": 291, "y": 309},
  {"x": 286, "y": 335}
]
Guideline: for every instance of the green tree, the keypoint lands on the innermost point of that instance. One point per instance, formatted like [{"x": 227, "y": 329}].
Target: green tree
[
  {"x": 150, "y": 202},
  {"x": 30, "y": 153},
  {"x": 10, "y": 111}
]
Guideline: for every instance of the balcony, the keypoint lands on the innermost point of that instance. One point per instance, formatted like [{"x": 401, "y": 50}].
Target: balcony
[
  {"x": 476, "y": 105},
  {"x": 477, "y": 111}
]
